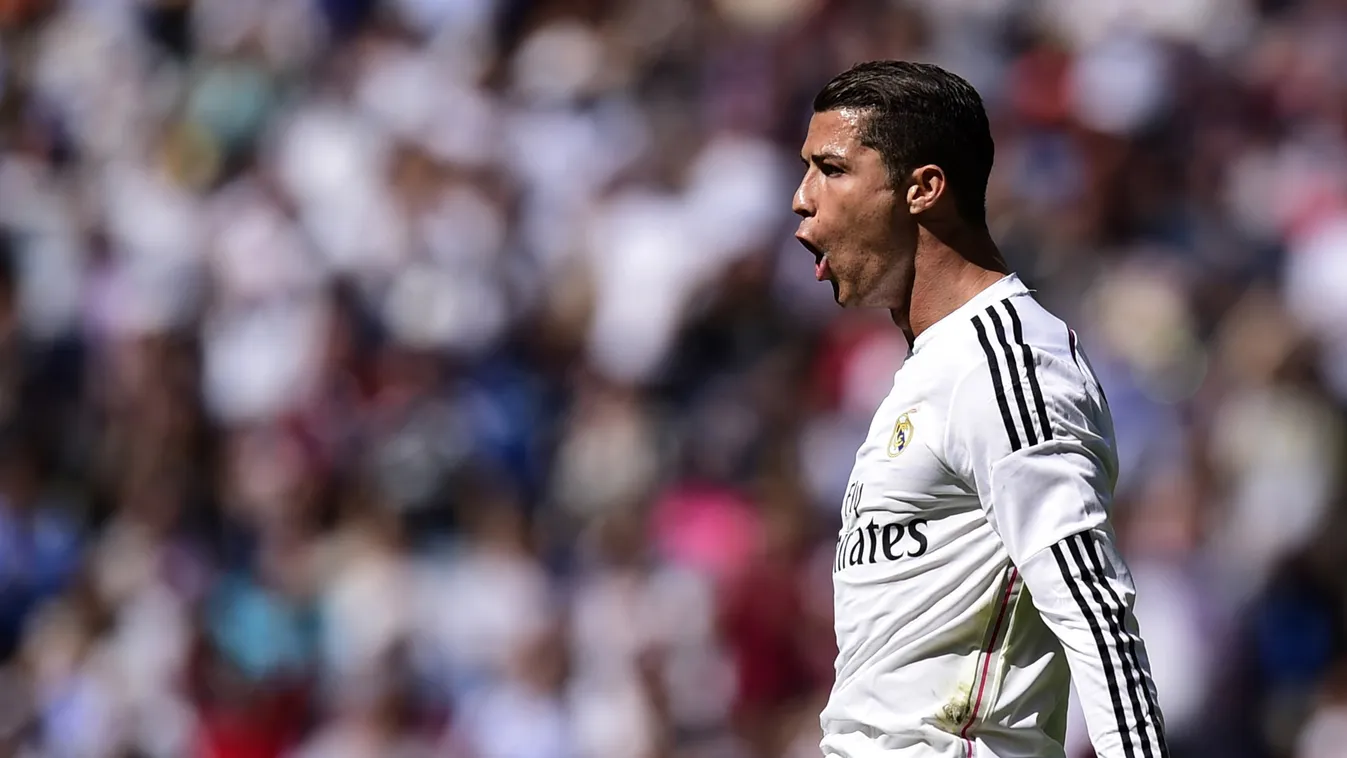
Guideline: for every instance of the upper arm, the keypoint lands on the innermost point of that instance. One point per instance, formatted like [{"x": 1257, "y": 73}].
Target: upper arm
[{"x": 1029, "y": 432}]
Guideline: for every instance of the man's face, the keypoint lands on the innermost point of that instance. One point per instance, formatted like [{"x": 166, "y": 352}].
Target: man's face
[{"x": 853, "y": 220}]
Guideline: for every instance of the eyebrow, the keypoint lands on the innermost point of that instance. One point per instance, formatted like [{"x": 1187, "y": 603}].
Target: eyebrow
[{"x": 820, "y": 157}]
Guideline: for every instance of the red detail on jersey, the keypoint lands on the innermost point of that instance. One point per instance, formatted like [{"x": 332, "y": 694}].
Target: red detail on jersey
[{"x": 987, "y": 666}]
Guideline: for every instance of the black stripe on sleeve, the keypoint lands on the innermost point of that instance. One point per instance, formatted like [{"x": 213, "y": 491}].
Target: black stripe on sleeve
[
  {"x": 997, "y": 384},
  {"x": 1107, "y": 661},
  {"x": 1014, "y": 372},
  {"x": 1133, "y": 660},
  {"x": 1092, "y": 581},
  {"x": 1029, "y": 368}
]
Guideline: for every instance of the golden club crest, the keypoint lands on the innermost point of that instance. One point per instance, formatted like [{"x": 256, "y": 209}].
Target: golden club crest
[{"x": 902, "y": 435}]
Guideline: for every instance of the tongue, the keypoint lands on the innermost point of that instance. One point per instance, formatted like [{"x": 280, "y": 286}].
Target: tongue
[{"x": 821, "y": 269}]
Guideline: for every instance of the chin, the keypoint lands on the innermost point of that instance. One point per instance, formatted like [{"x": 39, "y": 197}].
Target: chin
[{"x": 852, "y": 299}]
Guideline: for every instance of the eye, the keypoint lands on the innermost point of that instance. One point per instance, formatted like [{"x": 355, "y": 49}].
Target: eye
[{"x": 828, "y": 169}]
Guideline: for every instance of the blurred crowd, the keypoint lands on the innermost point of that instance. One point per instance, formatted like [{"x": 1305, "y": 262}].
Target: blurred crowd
[{"x": 441, "y": 378}]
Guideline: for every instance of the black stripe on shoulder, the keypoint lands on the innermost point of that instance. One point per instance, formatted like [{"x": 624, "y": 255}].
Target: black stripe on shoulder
[
  {"x": 1013, "y": 370},
  {"x": 1110, "y": 677},
  {"x": 997, "y": 384},
  {"x": 1132, "y": 661},
  {"x": 1029, "y": 369}
]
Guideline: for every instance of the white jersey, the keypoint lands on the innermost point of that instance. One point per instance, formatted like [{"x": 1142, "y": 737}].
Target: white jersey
[{"x": 976, "y": 573}]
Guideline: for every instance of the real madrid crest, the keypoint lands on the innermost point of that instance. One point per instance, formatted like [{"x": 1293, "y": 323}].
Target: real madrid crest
[{"x": 902, "y": 435}]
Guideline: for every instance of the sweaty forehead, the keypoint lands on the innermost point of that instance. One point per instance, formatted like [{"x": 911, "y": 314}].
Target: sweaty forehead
[{"x": 836, "y": 132}]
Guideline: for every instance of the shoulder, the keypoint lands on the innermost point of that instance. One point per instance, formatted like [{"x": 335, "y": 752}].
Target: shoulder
[
  {"x": 1014, "y": 336},
  {"x": 1015, "y": 323},
  {"x": 1020, "y": 375}
]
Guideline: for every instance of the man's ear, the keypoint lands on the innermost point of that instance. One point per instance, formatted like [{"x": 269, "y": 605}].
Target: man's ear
[{"x": 926, "y": 189}]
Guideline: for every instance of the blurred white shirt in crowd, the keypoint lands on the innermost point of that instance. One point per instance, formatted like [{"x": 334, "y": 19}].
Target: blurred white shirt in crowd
[{"x": 479, "y": 607}]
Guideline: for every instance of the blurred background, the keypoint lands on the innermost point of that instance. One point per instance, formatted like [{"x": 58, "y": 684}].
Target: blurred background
[{"x": 441, "y": 377}]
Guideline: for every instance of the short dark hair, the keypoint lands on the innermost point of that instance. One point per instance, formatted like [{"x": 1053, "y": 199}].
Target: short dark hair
[{"x": 919, "y": 113}]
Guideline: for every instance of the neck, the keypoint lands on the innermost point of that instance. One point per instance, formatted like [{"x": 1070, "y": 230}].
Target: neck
[{"x": 949, "y": 270}]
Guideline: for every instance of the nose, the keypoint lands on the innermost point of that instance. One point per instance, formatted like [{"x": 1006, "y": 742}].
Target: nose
[{"x": 803, "y": 202}]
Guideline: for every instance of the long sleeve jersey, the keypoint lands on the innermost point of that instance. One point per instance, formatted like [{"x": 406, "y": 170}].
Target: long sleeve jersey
[{"x": 976, "y": 574}]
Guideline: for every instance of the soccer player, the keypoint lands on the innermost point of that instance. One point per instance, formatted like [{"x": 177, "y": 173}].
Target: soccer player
[{"x": 976, "y": 573}]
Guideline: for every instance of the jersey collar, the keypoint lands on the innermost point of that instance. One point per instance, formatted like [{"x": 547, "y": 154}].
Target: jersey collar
[{"x": 1007, "y": 286}]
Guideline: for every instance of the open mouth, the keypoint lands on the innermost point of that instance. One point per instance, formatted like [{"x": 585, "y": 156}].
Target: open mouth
[{"x": 821, "y": 268}]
